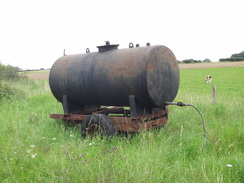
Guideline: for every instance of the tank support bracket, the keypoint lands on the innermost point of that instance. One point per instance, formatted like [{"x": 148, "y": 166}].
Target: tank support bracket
[
  {"x": 135, "y": 109},
  {"x": 65, "y": 104},
  {"x": 70, "y": 107}
]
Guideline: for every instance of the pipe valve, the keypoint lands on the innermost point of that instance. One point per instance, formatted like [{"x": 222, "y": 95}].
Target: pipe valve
[{"x": 179, "y": 103}]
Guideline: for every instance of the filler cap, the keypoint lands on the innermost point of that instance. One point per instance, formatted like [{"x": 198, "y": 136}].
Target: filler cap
[{"x": 107, "y": 47}]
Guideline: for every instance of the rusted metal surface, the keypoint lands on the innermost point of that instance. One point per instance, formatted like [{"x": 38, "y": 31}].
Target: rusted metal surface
[
  {"x": 149, "y": 73},
  {"x": 122, "y": 123},
  {"x": 138, "y": 124}
]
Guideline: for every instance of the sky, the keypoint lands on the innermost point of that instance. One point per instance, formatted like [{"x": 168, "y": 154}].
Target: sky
[{"x": 34, "y": 33}]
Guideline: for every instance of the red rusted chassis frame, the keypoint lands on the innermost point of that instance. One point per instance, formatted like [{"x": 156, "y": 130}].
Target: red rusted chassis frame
[{"x": 121, "y": 123}]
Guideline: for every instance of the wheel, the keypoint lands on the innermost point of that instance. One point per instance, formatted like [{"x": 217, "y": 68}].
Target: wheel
[{"x": 97, "y": 124}]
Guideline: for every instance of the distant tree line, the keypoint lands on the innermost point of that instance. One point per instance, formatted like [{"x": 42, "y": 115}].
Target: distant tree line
[
  {"x": 194, "y": 61},
  {"x": 240, "y": 55},
  {"x": 234, "y": 58}
]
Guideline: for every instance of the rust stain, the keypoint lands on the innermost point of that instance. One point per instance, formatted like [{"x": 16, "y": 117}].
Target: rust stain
[
  {"x": 173, "y": 60},
  {"x": 150, "y": 66},
  {"x": 125, "y": 123}
]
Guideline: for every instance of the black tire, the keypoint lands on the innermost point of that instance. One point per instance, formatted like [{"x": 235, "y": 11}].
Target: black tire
[{"x": 97, "y": 124}]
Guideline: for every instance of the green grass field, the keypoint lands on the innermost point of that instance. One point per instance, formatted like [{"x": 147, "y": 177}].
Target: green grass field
[{"x": 35, "y": 148}]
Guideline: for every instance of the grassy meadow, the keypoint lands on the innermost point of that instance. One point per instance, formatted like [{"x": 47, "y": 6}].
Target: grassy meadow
[{"x": 35, "y": 148}]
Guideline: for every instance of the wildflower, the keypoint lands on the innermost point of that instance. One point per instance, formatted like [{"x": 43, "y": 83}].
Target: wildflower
[
  {"x": 33, "y": 155},
  {"x": 32, "y": 146},
  {"x": 229, "y": 165},
  {"x": 28, "y": 151},
  {"x": 91, "y": 143},
  {"x": 81, "y": 156},
  {"x": 54, "y": 138},
  {"x": 71, "y": 135}
]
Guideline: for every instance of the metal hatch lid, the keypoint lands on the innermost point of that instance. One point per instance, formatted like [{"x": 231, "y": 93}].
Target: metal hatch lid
[{"x": 107, "y": 47}]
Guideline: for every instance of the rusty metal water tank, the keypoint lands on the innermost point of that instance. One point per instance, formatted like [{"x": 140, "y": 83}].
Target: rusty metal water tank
[{"x": 109, "y": 76}]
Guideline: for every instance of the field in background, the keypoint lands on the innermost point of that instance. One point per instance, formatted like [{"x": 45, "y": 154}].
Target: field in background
[
  {"x": 35, "y": 148},
  {"x": 211, "y": 65},
  {"x": 38, "y": 75}
]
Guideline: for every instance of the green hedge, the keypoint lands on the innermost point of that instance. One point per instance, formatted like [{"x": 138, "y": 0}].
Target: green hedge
[
  {"x": 9, "y": 72},
  {"x": 232, "y": 59}
]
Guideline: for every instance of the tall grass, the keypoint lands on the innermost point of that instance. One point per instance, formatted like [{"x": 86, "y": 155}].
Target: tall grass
[{"x": 35, "y": 148}]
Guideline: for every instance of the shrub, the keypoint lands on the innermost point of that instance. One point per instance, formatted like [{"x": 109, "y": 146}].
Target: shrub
[
  {"x": 206, "y": 60},
  {"x": 191, "y": 61},
  {"x": 8, "y": 90},
  {"x": 5, "y": 91},
  {"x": 8, "y": 72}
]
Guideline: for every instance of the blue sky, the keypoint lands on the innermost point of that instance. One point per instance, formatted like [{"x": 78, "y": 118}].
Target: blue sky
[{"x": 34, "y": 33}]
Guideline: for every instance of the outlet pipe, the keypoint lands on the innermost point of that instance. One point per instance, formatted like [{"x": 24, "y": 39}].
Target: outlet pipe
[{"x": 181, "y": 104}]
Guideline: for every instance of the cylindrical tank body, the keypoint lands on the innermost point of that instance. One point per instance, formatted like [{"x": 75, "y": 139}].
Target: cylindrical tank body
[{"x": 108, "y": 78}]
